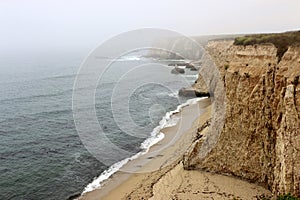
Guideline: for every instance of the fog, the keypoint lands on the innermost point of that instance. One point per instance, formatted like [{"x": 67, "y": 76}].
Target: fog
[{"x": 80, "y": 25}]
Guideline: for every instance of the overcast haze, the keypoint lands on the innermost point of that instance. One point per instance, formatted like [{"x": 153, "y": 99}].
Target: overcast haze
[{"x": 56, "y": 25}]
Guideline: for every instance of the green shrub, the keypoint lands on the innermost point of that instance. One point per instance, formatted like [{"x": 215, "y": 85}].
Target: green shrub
[{"x": 287, "y": 197}]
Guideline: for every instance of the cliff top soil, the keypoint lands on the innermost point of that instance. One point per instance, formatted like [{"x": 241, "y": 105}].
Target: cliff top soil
[{"x": 282, "y": 41}]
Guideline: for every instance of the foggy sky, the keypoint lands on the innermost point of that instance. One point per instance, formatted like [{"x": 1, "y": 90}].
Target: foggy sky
[{"x": 60, "y": 25}]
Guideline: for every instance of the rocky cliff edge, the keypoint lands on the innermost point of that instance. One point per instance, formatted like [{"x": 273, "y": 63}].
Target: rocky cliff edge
[{"x": 260, "y": 140}]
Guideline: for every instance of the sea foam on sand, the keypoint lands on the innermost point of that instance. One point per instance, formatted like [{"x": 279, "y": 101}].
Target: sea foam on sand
[{"x": 167, "y": 121}]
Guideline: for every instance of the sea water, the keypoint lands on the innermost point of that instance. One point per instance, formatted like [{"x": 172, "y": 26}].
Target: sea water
[{"x": 41, "y": 154}]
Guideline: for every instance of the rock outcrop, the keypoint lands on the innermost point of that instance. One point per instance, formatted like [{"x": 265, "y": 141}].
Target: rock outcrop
[
  {"x": 192, "y": 92},
  {"x": 260, "y": 140},
  {"x": 177, "y": 46},
  {"x": 177, "y": 70}
]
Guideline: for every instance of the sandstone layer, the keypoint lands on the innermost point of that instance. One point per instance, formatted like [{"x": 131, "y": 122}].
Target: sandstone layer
[{"x": 260, "y": 140}]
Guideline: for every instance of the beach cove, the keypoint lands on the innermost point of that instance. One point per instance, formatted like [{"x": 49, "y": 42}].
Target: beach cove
[{"x": 162, "y": 176}]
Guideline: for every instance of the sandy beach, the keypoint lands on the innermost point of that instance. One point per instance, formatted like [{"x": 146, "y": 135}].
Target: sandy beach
[{"x": 159, "y": 174}]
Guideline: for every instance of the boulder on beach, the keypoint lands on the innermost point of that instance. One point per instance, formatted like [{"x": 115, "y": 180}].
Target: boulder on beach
[
  {"x": 191, "y": 92},
  {"x": 191, "y": 67},
  {"x": 177, "y": 70}
]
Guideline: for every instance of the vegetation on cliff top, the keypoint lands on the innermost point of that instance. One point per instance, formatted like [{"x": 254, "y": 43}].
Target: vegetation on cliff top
[
  {"x": 287, "y": 197},
  {"x": 282, "y": 41}
]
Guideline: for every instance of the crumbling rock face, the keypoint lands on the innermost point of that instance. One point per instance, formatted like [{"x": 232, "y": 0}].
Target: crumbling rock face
[{"x": 260, "y": 140}]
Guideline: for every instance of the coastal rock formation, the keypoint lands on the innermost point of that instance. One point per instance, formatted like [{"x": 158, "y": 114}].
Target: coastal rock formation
[
  {"x": 192, "y": 92},
  {"x": 176, "y": 48},
  {"x": 190, "y": 65},
  {"x": 177, "y": 70},
  {"x": 260, "y": 140}
]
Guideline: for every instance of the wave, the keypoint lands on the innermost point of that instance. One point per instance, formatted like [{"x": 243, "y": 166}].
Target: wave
[
  {"x": 167, "y": 121},
  {"x": 96, "y": 183},
  {"x": 123, "y": 58},
  {"x": 131, "y": 58},
  {"x": 191, "y": 76},
  {"x": 174, "y": 94}
]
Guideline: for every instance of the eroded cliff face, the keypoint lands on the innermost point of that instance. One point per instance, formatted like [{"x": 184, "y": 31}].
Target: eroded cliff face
[
  {"x": 260, "y": 140},
  {"x": 176, "y": 48}
]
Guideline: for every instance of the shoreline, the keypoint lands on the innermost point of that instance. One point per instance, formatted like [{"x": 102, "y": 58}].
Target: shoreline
[
  {"x": 158, "y": 157},
  {"x": 159, "y": 174}
]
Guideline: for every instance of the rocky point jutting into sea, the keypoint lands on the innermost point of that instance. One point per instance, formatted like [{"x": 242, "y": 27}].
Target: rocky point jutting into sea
[{"x": 260, "y": 140}]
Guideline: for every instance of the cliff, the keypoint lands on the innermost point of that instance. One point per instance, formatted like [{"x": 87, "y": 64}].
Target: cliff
[
  {"x": 260, "y": 139},
  {"x": 181, "y": 47}
]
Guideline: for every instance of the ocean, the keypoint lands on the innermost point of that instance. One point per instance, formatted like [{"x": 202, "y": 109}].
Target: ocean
[{"x": 41, "y": 154}]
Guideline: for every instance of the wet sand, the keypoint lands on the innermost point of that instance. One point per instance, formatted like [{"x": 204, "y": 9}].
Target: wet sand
[{"x": 159, "y": 174}]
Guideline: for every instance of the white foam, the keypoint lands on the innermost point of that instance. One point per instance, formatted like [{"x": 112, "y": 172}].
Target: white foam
[
  {"x": 191, "y": 76},
  {"x": 129, "y": 58},
  {"x": 151, "y": 141},
  {"x": 96, "y": 183},
  {"x": 175, "y": 94},
  {"x": 167, "y": 121}
]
